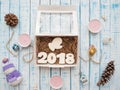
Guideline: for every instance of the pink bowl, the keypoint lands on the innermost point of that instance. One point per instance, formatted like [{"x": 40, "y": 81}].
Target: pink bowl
[
  {"x": 56, "y": 82},
  {"x": 24, "y": 40},
  {"x": 95, "y": 26}
]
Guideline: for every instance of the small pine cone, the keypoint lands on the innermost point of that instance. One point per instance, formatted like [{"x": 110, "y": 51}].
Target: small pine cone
[
  {"x": 11, "y": 19},
  {"x": 106, "y": 75}
]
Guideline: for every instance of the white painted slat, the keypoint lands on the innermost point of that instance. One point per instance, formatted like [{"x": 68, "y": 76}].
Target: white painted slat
[
  {"x": 55, "y": 28},
  {"x": 75, "y": 84},
  {"x": 14, "y": 8},
  {"x": 76, "y": 3},
  {"x": 65, "y": 72},
  {"x": 115, "y": 46},
  {"x": 24, "y": 28},
  {"x": 45, "y": 72},
  {"x": 34, "y": 71},
  {"x": 106, "y": 32},
  {"x": 4, "y": 35},
  {"x": 65, "y": 28},
  {"x": 95, "y": 40},
  {"x": 84, "y": 40}
]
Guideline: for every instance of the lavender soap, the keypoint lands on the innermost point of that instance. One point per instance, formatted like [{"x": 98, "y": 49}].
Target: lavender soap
[{"x": 13, "y": 76}]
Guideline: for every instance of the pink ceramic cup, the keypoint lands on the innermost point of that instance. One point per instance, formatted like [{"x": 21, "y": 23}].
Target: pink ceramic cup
[
  {"x": 56, "y": 82},
  {"x": 24, "y": 40},
  {"x": 95, "y": 26}
]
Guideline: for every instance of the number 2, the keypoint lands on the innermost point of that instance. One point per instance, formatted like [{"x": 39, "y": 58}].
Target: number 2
[{"x": 42, "y": 56}]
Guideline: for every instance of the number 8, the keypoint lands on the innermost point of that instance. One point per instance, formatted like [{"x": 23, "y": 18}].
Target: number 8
[{"x": 70, "y": 58}]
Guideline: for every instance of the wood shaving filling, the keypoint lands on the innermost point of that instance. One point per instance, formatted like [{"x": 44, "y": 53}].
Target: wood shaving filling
[{"x": 70, "y": 45}]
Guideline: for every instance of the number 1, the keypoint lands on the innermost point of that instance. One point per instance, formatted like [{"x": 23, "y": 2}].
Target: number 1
[{"x": 61, "y": 57}]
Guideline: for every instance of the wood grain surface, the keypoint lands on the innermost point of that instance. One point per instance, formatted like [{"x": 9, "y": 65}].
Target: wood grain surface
[{"x": 26, "y": 11}]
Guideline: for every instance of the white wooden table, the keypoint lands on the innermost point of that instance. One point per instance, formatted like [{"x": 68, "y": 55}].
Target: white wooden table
[{"x": 87, "y": 10}]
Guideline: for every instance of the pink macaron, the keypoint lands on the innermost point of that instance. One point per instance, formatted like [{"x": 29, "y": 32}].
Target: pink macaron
[
  {"x": 24, "y": 40},
  {"x": 95, "y": 26},
  {"x": 56, "y": 82}
]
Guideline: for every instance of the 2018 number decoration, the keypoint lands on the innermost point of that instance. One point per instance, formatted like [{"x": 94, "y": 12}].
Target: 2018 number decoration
[{"x": 51, "y": 58}]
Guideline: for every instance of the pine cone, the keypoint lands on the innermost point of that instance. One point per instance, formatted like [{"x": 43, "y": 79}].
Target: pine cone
[
  {"x": 108, "y": 72},
  {"x": 11, "y": 19}
]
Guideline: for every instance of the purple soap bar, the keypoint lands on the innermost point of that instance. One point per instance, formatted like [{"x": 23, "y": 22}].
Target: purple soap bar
[
  {"x": 13, "y": 76},
  {"x": 8, "y": 66},
  {"x": 12, "y": 79}
]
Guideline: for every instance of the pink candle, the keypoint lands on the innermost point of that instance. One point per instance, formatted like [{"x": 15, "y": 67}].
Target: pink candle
[
  {"x": 24, "y": 40},
  {"x": 95, "y": 26},
  {"x": 56, "y": 82}
]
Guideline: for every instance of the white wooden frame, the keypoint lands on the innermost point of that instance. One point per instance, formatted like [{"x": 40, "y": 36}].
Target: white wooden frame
[{"x": 59, "y": 10}]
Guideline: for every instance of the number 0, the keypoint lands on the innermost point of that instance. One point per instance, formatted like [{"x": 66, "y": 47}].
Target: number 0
[{"x": 51, "y": 58}]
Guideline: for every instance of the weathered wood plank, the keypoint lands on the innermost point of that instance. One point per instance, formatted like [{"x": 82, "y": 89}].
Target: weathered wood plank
[
  {"x": 95, "y": 40},
  {"x": 74, "y": 72},
  {"x": 65, "y": 72},
  {"x": 55, "y": 28},
  {"x": 14, "y": 8},
  {"x": 45, "y": 72},
  {"x": 24, "y": 28},
  {"x": 65, "y": 23},
  {"x": 115, "y": 46},
  {"x": 34, "y": 70},
  {"x": 84, "y": 41},
  {"x": 4, "y": 35},
  {"x": 105, "y": 12}
]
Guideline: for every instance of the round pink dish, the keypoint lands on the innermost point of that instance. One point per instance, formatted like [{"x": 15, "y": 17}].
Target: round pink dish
[
  {"x": 56, "y": 82},
  {"x": 24, "y": 40},
  {"x": 95, "y": 26}
]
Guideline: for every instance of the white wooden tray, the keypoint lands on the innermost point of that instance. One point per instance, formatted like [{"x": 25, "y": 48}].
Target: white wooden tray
[{"x": 74, "y": 33}]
